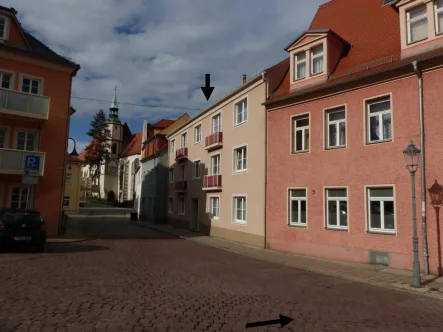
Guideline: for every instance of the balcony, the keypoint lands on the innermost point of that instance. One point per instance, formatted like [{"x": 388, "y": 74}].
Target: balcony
[
  {"x": 13, "y": 161},
  {"x": 212, "y": 182},
  {"x": 181, "y": 186},
  {"x": 181, "y": 154},
  {"x": 24, "y": 104},
  {"x": 214, "y": 141}
]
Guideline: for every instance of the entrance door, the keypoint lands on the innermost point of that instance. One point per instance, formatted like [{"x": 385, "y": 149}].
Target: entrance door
[{"x": 195, "y": 214}]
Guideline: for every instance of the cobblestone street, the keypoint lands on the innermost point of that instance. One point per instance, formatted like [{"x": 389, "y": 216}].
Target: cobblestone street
[{"x": 161, "y": 283}]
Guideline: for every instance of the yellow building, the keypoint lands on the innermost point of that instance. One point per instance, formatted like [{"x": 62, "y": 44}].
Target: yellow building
[{"x": 71, "y": 197}]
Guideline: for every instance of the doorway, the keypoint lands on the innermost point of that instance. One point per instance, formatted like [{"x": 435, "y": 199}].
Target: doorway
[{"x": 195, "y": 215}]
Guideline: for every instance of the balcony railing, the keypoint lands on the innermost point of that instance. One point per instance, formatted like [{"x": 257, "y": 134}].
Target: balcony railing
[
  {"x": 24, "y": 104},
  {"x": 212, "y": 182},
  {"x": 13, "y": 161},
  {"x": 214, "y": 140},
  {"x": 181, "y": 186},
  {"x": 181, "y": 154}
]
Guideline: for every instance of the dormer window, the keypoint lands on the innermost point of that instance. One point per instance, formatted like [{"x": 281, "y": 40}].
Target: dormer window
[
  {"x": 417, "y": 24},
  {"x": 300, "y": 65},
  {"x": 317, "y": 60},
  {"x": 439, "y": 16}
]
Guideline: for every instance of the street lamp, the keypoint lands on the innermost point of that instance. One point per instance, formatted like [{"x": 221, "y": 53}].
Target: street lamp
[
  {"x": 74, "y": 150},
  {"x": 436, "y": 193},
  {"x": 412, "y": 158}
]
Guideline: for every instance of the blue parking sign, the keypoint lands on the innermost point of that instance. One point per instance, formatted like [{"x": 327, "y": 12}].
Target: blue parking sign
[{"x": 32, "y": 163}]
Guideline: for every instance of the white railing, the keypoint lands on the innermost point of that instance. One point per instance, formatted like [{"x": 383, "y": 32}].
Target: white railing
[
  {"x": 13, "y": 161},
  {"x": 24, "y": 104}
]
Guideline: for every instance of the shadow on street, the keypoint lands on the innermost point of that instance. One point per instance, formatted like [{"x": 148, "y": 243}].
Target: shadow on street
[{"x": 55, "y": 248}]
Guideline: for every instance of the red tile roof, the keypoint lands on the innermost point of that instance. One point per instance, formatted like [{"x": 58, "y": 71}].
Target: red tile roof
[
  {"x": 134, "y": 146},
  {"x": 373, "y": 32},
  {"x": 72, "y": 159},
  {"x": 162, "y": 124}
]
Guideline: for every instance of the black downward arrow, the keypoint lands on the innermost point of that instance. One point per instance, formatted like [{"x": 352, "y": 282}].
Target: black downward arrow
[
  {"x": 207, "y": 89},
  {"x": 283, "y": 321}
]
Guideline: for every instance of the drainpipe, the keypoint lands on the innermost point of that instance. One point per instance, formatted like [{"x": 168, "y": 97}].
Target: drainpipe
[
  {"x": 422, "y": 168},
  {"x": 265, "y": 80}
]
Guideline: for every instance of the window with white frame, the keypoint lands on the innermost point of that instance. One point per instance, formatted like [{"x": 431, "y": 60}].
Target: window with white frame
[
  {"x": 66, "y": 200},
  {"x": 297, "y": 207},
  {"x": 3, "y": 27},
  {"x": 171, "y": 205},
  {"x": 336, "y": 128},
  {"x": 184, "y": 140},
  {"x": 216, "y": 123},
  {"x": 241, "y": 112},
  {"x": 31, "y": 85},
  {"x": 5, "y": 80},
  {"x": 300, "y": 65},
  {"x": 3, "y": 136},
  {"x": 300, "y": 133},
  {"x": 19, "y": 197},
  {"x": 417, "y": 24},
  {"x": 317, "y": 60},
  {"x": 337, "y": 208},
  {"x": 240, "y": 159},
  {"x": 182, "y": 205},
  {"x": 171, "y": 174},
  {"x": 26, "y": 140},
  {"x": 198, "y": 134},
  {"x": 172, "y": 147},
  {"x": 196, "y": 172},
  {"x": 379, "y": 124},
  {"x": 381, "y": 209},
  {"x": 239, "y": 206},
  {"x": 182, "y": 172},
  {"x": 68, "y": 177},
  {"x": 215, "y": 164},
  {"x": 439, "y": 16},
  {"x": 215, "y": 207}
]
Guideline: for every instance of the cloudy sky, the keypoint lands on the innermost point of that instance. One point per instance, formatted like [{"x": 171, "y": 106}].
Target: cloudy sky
[{"x": 157, "y": 51}]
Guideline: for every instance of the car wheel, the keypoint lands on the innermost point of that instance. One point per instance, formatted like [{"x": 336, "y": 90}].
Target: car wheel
[{"x": 40, "y": 247}]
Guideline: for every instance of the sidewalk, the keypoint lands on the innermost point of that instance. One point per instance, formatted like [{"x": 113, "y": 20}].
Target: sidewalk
[{"x": 371, "y": 274}]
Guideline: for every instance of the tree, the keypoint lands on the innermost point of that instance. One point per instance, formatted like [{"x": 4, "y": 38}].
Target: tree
[{"x": 98, "y": 151}]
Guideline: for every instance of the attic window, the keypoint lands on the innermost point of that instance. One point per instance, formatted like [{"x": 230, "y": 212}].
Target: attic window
[
  {"x": 300, "y": 65},
  {"x": 317, "y": 60},
  {"x": 417, "y": 23},
  {"x": 439, "y": 16},
  {"x": 2, "y": 28}
]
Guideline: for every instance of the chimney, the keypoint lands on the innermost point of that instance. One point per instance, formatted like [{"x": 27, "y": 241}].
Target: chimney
[{"x": 244, "y": 78}]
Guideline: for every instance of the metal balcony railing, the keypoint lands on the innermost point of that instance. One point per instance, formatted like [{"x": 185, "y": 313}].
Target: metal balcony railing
[
  {"x": 181, "y": 185},
  {"x": 214, "y": 139},
  {"x": 212, "y": 181},
  {"x": 181, "y": 154}
]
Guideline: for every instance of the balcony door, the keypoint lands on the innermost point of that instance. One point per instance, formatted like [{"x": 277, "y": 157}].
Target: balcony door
[{"x": 215, "y": 165}]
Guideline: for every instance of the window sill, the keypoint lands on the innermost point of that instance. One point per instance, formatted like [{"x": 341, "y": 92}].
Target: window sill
[
  {"x": 381, "y": 232},
  {"x": 299, "y": 79},
  {"x": 240, "y": 223},
  {"x": 335, "y": 147},
  {"x": 215, "y": 219},
  {"x": 300, "y": 152},
  {"x": 329, "y": 228},
  {"x": 195, "y": 143},
  {"x": 316, "y": 74},
  {"x": 298, "y": 225},
  {"x": 196, "y": 178},
  {"x": 170, "y": 212},
  {"x": 182, "y": 214},
  {"x": 380, "y": 141},
  {"x": 416, "y": 42},
  {"x": 239, "y": 124},
  {"x": 239, "y": 172}
]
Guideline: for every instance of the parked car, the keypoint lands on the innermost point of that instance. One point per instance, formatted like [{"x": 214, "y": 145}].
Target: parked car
[{"x": 22, "y": 227}]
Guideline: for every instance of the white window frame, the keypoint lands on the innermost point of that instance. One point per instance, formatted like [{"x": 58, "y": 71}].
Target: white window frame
[
  {"x": 314, "y": 57},
  {"x": 298, "y": 62},
  {"x": 300, "y": 199},
  {"x": 243, "y": 111},
  {"x": 27, "y": 131},
  {"x": 171, "y": 174},
  {"x": 337, "y": 200},
  {"x": 303, "y": 129},
  {"x": 243, "y": 150},
  {"x": 216, "y": 128},
  {"x": 211, "y": 207},
  {"x": 6, "y": 141},
  {"x": 182, "y": 206},
  {"x": 414, "y": 20},
  {"x": 172, "y": 146},
  {"x": 382, "y": 229},
  {"x": 11, "y": 80},
  {"x": 28, "y": 196},
  {"x": 68, "y": 176},
  {"x": 196, "y": 169},
  {"x": 6, "y": 29},
  {"x": 32, "y": 78},
  {"x": 243, "y": 207},
  {"x": 218, "y": 166},
  {"x": 182, "y": 172},
  {"x": 184, "y": 140},
  {"x": 380, "y": 119},
  {"x": 170, "y": 205},
  {"x": 197, "y": 134},
  {"x": 337, "y": 127},
  {"x": 66, "y": 199},
  {"x": 438, "y": 10}
]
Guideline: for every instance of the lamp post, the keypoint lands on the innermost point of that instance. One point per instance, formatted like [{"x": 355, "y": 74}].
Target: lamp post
[
  {"x": 412, "y": 158},
  {"x": 436, "y": 194},
  {"x": 74, "y": 150}
]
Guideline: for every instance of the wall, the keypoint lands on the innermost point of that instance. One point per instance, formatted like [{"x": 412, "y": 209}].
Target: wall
[{"x": 73, "y": 190}]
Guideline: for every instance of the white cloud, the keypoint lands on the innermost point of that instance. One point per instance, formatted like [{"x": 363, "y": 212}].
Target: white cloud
[{"x": 179, "y": 41}]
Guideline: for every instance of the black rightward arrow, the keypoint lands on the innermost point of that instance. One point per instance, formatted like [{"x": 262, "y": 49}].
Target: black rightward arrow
[
  {"x": 283, "y": 321},
  {"x": 207, "y": 89}
]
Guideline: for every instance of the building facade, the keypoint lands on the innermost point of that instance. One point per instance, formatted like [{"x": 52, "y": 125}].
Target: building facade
[
  {"x": 350, "y": 103},
  {"x": 73, "y": 180},
  {"x": 217, "y": 167},
  {"x": 35, "y": 92}
]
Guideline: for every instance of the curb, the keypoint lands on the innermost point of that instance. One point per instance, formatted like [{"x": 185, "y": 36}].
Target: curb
[{"x": 56, "y": 240}]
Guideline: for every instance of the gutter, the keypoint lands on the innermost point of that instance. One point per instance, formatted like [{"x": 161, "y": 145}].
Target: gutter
[
  {"x": 265, "y": 79},
  {"x": 403, "y": 65},
  {"x": 422, "y": 167}
]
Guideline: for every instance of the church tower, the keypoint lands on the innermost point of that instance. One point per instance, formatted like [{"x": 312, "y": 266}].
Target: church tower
[{"x": 115, "y": 127}]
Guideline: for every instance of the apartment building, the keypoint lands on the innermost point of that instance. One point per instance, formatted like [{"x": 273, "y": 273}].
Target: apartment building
[
  {"x": 350, "y": 103},
  {"x": 35, "y": 92},
  {"x": 217, "y": 167}
]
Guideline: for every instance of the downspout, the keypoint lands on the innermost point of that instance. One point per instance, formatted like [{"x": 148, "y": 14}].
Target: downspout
[
  {"x": 422, "y": 168},
  {"x": 266, "y": 154},
  {"x": 155, "y": 174}
]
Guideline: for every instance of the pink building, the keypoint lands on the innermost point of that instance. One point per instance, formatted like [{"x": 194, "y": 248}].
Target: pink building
[{"x": 337, "y": 185}]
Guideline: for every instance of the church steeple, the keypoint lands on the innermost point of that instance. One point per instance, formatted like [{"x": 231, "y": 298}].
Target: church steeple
[{"x": 113, "y": 110}]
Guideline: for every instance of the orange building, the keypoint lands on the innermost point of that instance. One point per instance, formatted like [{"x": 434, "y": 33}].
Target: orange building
[{"x": 35, "y": 93}]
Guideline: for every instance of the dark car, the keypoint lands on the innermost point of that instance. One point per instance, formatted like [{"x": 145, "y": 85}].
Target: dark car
[{"x": 23, "y": 227}]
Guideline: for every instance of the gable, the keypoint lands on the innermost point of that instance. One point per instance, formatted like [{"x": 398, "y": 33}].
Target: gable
[
  {"x": 305, "y": 39},
  {"x": 14, "y": 33}
]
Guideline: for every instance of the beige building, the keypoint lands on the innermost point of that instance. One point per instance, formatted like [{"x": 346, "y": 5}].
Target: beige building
[{"x": 217, "y": 167}]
